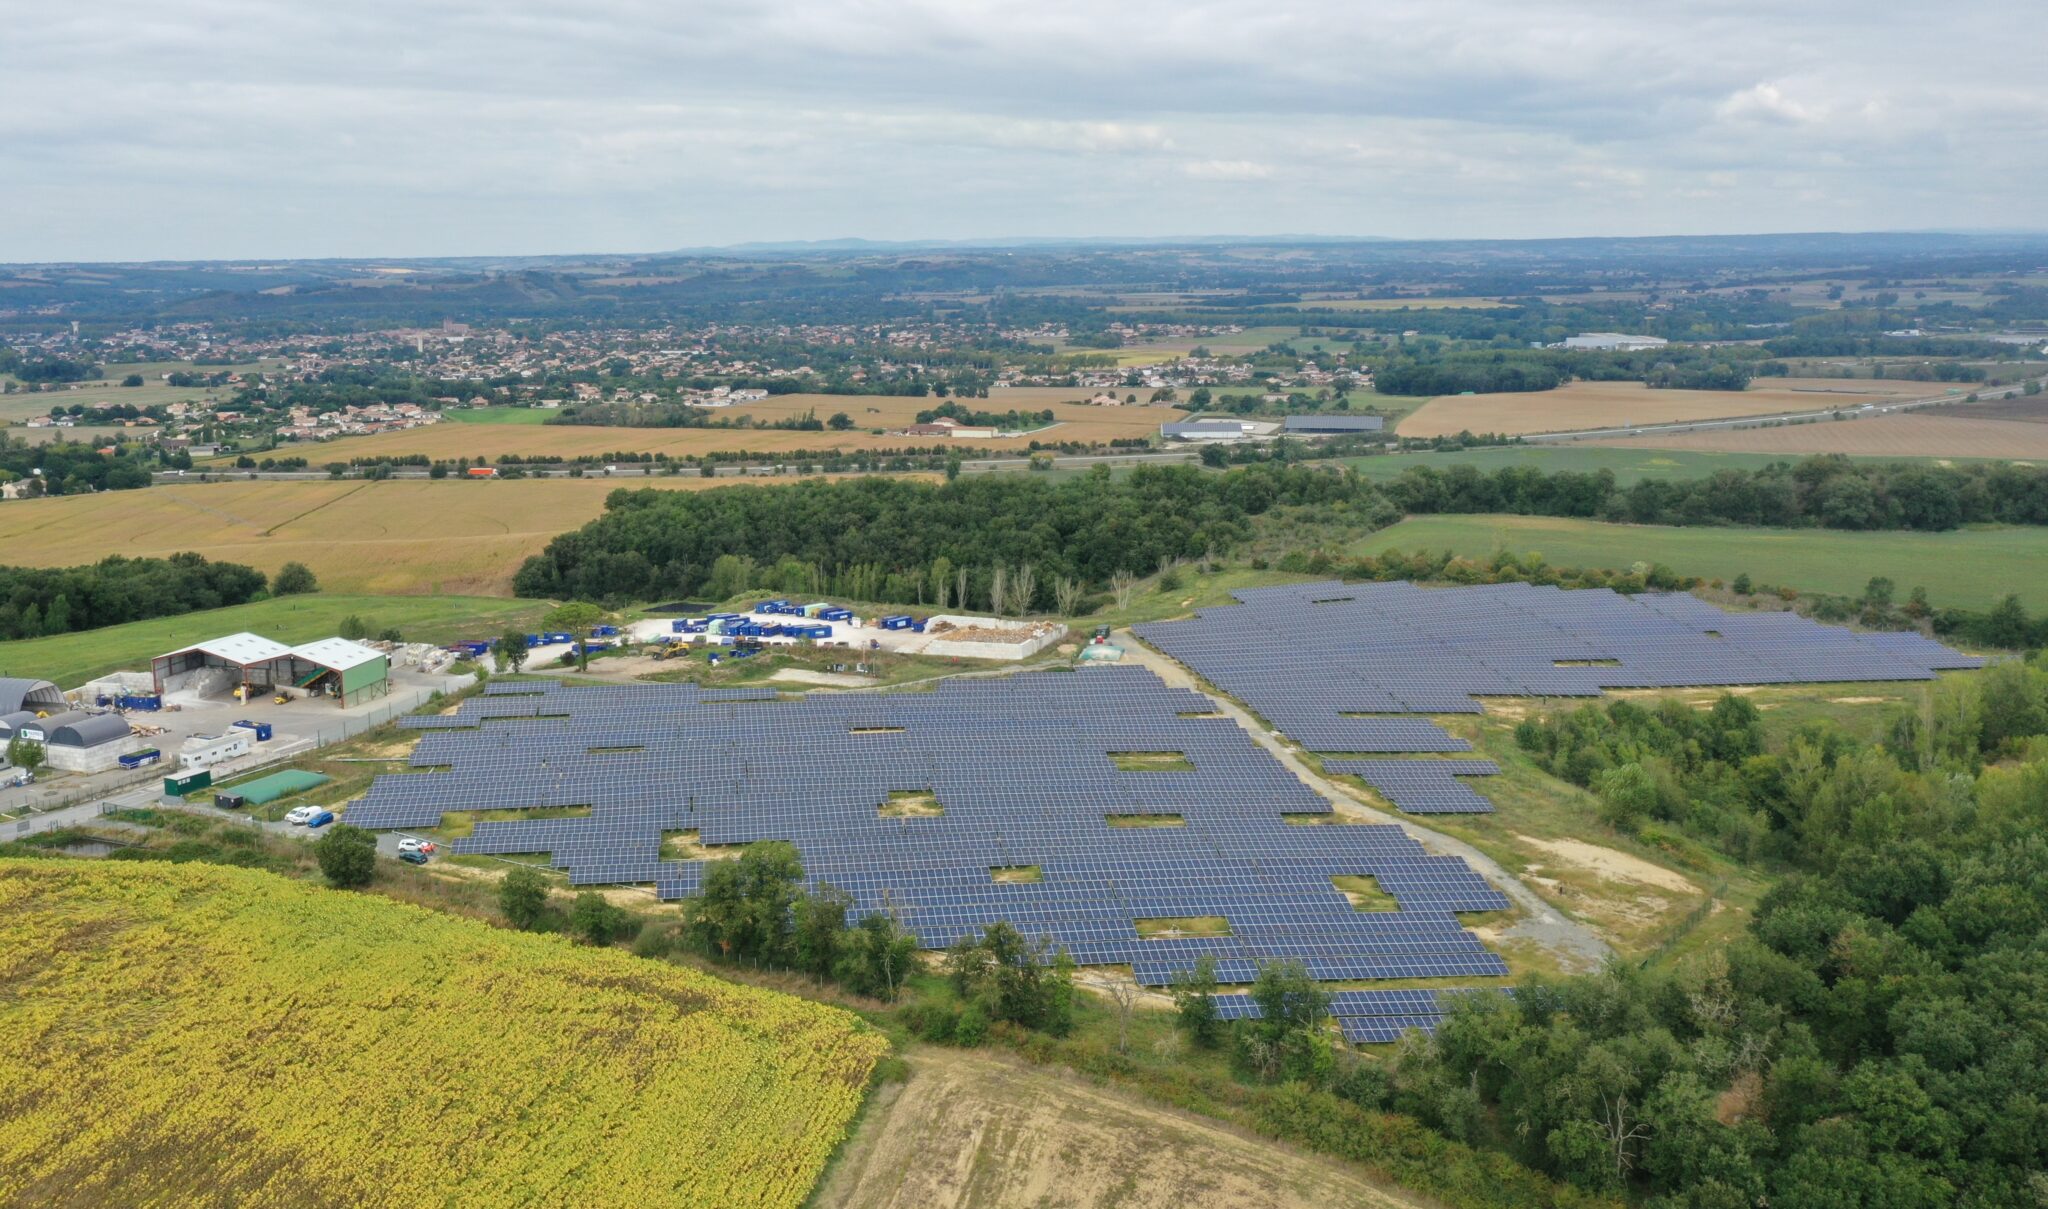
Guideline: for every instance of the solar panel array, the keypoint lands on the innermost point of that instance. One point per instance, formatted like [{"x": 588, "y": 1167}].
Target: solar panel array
[
  {"x": 1422, "y": 786},
  {"x": 1365, "y": 1016},
  {"x": 1324, "y": 662},
  {"x": 1021, "y": 766}
]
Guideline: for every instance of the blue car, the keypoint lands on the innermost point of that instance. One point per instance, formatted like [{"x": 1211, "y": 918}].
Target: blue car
[{"x": 320, "y": 820}]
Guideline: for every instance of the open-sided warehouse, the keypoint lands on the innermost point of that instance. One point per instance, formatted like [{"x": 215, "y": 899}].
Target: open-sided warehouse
[{"x": 333, "y": 667}]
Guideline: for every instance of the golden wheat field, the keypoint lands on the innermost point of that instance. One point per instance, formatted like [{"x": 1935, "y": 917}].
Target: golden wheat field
[
  {"x": 392, "y": 537},
  {"x": 1074, "y": 421},
  {"x": 209, "y": 1036},
  {"x": 1618, "y": 404}
]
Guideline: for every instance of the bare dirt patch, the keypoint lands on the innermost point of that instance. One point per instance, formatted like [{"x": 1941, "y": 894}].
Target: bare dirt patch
[
  {"x": 977, "y": 1129},
  {"x": 1859, "y": 700},
  {"x": 1935, "y": 436},
  {"x": 1610, "y": 864},
  {"x": 798, "y": 675},
  {"x": 1618, "y": 404}
]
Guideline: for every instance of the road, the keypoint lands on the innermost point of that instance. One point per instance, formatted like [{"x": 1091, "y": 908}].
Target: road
[
  {"x": 92, "y": 814},
  {"x": 1575, "y": 946},
  {"x": 1853, "y": 411},
  {"x": 969, "y": 466}
]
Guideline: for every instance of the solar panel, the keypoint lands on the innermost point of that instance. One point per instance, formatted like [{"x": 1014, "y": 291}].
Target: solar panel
[
  {"x": 1022, "y": 772},
  {"x": 1332, "y": 665}
]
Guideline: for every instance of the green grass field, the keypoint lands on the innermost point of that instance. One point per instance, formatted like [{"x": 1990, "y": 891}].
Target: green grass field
[
  {"x": 497, "y": 415},
  {"x": 1629, "y": 465},
  {"x": 1969, "y": 568},
  {"x": 73, "y": 659}
]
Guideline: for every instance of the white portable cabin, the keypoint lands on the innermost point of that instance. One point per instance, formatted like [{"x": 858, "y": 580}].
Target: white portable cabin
[{"x": 203, "y": 751}]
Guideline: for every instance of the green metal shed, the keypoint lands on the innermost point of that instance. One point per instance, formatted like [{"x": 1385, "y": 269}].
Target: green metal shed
[{"x": 349, "y": 671}]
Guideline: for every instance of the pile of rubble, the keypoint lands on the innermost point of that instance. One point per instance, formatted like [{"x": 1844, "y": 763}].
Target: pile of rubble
[{"x": 1020, "y": 631}]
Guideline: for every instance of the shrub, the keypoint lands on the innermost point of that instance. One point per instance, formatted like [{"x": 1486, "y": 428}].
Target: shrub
[
  {"x": 293, "y": 579},
  {"x": 347, "y": 856},
  {"x": 597, "y": 919},
  {"x": 523, "y": 897}
]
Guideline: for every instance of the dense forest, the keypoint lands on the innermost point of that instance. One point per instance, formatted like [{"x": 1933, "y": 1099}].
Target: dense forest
[
  {"x": 887, "y": 539},
  {"x": 1878, "y": 1037},
  {"x": 35, "y": 601}
]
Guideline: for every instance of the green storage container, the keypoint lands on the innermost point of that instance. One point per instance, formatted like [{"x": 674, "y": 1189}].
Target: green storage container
[{"x": 191, "y": 782}]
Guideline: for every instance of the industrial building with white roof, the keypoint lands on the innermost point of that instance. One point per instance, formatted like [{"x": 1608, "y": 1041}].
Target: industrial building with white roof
[{"x": 333, "y": 667}]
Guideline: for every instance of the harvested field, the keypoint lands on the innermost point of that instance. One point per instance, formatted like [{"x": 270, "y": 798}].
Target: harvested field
[
  {"x": 2031, "y": 409},
  {"x": 1075, "y": 421},
  {"x": 1603, "y": 404},
  {"x": 390, "y": 537},
  {"x": 972, "y": 1128},
  {"x": 1947, "y": 435},
  {"x": 1396, "y": 304}
]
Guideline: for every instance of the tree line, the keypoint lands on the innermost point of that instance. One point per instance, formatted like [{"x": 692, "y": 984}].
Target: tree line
[
  {"x": 1426, "y": 370},
  {"x": 902, "y": 540},
  {"x": 1827, "y": 491},
  {"x": 69, "y": 468},
  {"x": 39, "y": 601}
]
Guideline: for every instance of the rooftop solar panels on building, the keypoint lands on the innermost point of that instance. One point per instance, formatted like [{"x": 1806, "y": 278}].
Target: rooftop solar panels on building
[
  {"x": 1022, "y": 770},
  {"x": 1323, "y": 662}
]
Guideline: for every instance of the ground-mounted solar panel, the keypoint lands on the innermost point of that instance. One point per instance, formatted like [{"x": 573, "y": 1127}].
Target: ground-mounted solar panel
[
  {"x": 1422, "y": 786},
  {"x": 1328, "y": 663},
  {"x": 1072, "y": 804}
]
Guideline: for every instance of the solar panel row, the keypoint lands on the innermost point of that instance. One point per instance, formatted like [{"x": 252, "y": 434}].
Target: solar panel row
[
  {"x": 1324, "y": 662},
  {"x": 1025, "y": 775}
]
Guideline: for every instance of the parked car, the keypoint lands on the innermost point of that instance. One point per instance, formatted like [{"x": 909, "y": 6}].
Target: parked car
[
  {"x": 320, "y": 820},
  {"x": 409, "y": 844},
  {"x": 412, "y": 856},
  {"x": 298, "y": 815}
]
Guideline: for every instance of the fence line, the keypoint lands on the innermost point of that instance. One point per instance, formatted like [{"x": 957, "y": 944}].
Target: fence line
[{"x": 396, "y": 706}]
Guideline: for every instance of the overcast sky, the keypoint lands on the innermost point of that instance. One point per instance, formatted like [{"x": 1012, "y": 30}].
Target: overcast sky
[{"x": 167, "y": 129}]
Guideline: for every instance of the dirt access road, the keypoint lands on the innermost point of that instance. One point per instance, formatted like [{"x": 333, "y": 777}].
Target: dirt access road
[
  {"x": 975, "y": 1128},
  {"x": 1574, "y": 944}
]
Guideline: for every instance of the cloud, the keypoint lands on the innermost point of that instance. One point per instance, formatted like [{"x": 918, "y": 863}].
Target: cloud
[
  {"x": 1765, "y": 103},
  {"x": 1227, "y": 170},
  {"x": 396, "y": 127}
]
